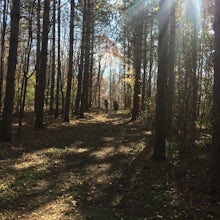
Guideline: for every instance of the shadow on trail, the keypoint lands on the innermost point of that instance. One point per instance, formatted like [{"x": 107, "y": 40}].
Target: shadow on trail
[{"x": 69, "y": 170}]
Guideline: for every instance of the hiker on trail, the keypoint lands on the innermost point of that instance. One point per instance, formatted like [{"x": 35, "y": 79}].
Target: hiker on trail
[
  {"x": 106, "y": 106},
  {"x": 115, "y": 105}
]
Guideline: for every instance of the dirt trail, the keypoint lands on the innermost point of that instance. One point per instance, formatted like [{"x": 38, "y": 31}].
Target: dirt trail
[
  {"x": 99, "y": 168},
  {"x": 69, "y": 170}
]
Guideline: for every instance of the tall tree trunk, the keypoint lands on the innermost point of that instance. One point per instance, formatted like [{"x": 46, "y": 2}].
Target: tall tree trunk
[
  {"x": 137, "y": 48},
  {"x": 53, "y": 72},
  {"x": 58, "y": 86},
  {"x": 159, "y": 145},
  {"x": 110, "y": 84},
  {"x": 84, "y": 100},
  {"x": 91, "y": 64},
  {"x": 79, "y": 106},
  {"x": 124, "y": 72},
  {"x": 39, "y": 121},
  {"x": 62, "y": 94},
  {"x": 189, "y": 95},
  {"x": 70, "y": 67},
  {"x": 216, "y": 106},
  {"x": 2, "y": 63},
  {"x": 143, "y": 95},
  {"x": 99, "y": 81},
  {"x": 80, "y": 76},
  {"x": 37, "y": 88},
  {"x": 171, "y": 76},
  {"x": 85, "y": 43},
  {"x": 129, "y": 89},
  {"x": 5, "y": 126},
  {"x": 194, "y": 86},
  {"x": 149, "y": 86}
]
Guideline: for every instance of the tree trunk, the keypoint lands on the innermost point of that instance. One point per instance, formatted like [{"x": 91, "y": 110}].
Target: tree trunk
[
  {"x": 53, "y": 72},
  {"x": 149, "y": 86},
  {"x": 37, "y": 88},
  {"x": 143, "y": 95},
  {"x": 98, "y": 83},
  {"x": 70, "y": 68},
  {"x": 5, "y": 129},
  {"x": 86, "y": 48},
  {"x": 159, "y": 148},
  {"x": 194, "y": 87},
  {"x": 39, "y": 121},
  {"x": 91, "y": 64},
  {"x": 58, "y": 85},
  {"x": 171, "y": 76},
  {"x": 80, "y": 77},
  {"x": 129, "y": 89},
  {"x": 124, "y": 72},
  {"x": 78, "y": 103},
  {"x": 216, "y": 105},
  {"x": 84, "y": 100},
  {"x": 2, "y": 63},
  {"x": 138, "y": 36}
]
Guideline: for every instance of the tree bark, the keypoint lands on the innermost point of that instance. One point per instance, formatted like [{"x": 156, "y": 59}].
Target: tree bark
[
  {"x": 38, "y": 54},
  {"x": 70, "y": 68},
  {"x": 58, "y": 83},
  {"x": 138, "y": 37},
  {"x": 216, "y": 105},
  {"x": 171, "y": 76},
  {"x": 6, "y": 124},
  {"x": 53, "y": 72},
  {"x": 39, "y": 120},
  {"x": 84, "y": 97},
  {"x": 145, "y": 62},
  {"x": 2, "y": 63},
  {"x": 160, "y": 139},
  {"x": 91, "y": 64}
]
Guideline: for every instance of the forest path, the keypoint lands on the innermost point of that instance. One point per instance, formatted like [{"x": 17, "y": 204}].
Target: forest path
[
  {"x": 99, "y": 168},
  {"x": 69, "y": 170}
]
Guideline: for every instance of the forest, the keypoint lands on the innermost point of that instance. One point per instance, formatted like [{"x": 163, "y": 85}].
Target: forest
[{"x": 67, "y": 151}]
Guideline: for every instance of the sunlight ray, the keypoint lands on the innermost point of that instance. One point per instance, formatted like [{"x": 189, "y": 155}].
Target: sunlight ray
[
  {"x": 136, "y": 8},
  {"x": 196, "y": 5},
  {"x": 193, "y": 12}
]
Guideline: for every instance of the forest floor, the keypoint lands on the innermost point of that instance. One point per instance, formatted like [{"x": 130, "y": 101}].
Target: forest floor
[{"x": 100, "y": 168}]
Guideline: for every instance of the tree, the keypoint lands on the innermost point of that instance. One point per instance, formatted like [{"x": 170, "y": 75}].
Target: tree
[
  {"x": 6, "y": 123},
  {"x": 58, "y": 85},
  {"x": 145, "y": 62},
  {"x": 149, "y": 97},
  {"x": 42, "y": 68},
  {"x": 81, "y": 64},
  {"x": 86, "y": 23},
  {"x": 70, "y": 67},
  {"x": 53, "y": 59},
  {"x": 171, "y": 76},
  {"x": 38, "y": 54},
  {"x": 159, "y": 148},
  {"x": 4, "y": 25},
  {"x": 216, "y": 104},
  {"x": 137, "y": 56},
  {"x": 189, "y": 129}
]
